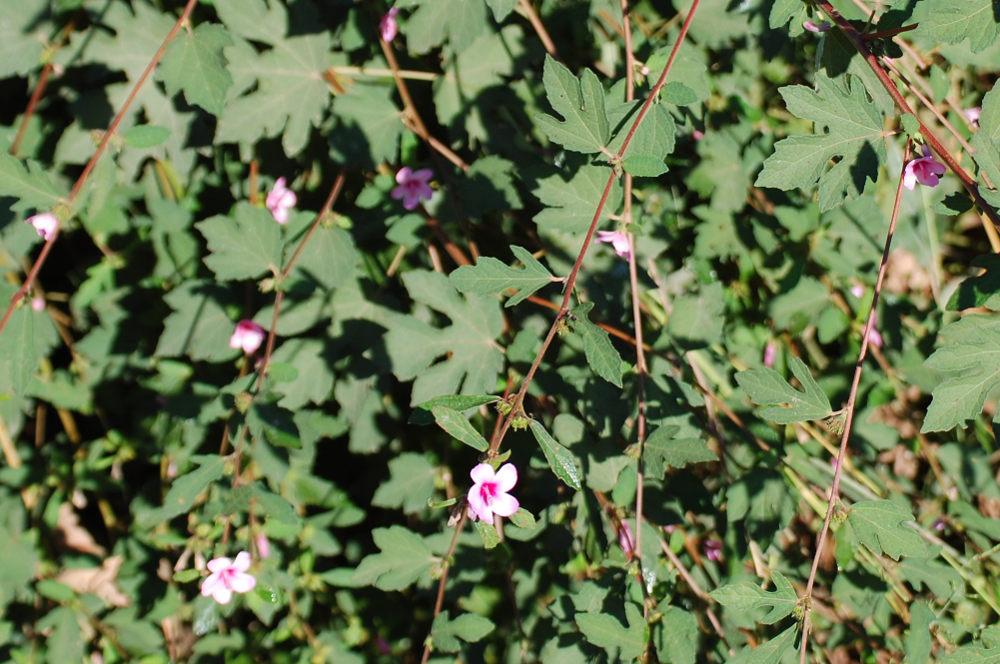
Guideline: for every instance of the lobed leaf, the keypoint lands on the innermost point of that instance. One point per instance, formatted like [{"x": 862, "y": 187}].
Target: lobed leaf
[
  {"x": 489, "y": 276},
  {"x": 881, "y": 526},
  {"x": 585, "y": 127},
  {"x": 746, "y": 596},
  {"x": 601, "y": 355},
  {"x": 781, "y": 402}
]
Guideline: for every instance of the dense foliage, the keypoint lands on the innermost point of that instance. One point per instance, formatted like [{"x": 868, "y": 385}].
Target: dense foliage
[{"x": 499, "y": 331}]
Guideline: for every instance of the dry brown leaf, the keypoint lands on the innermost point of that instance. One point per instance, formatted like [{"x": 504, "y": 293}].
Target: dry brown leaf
[
  {"x": 73, "y": 535},
  {"x": 99, "y": 581}
]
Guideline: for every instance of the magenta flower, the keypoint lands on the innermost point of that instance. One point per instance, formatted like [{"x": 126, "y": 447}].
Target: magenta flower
[
  {"x": 926, "y": 170},
  {"x": 618, "y": 240},
  {"x": 45, "y": 224},
  {"x": 248, "y": 335},
  {"x": 387, "y": 27},
  {"x": 280, "y": 200},
  {"x": 972, "y": 115},
  {"x": 228, "y": 576},
  {"x": 713, "y": 549},
  {"x": 816, "y": 27},
  {"x": 770, "y": 353},
  {"x": 489, "y": 495},
  {"x": 412, "y": 186}
]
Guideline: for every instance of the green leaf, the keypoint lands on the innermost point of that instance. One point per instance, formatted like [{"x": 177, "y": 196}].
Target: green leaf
[
  {"x": 781, "y": 403},
  {"x": 27, "y": 182},
  {"x": 677, "y": 635},
  {"x": 410, "y": 483},
  {"x": 980, "y": 291},
  {"x": 445, "y": 633},
  {"x": 472, "y": 359},
  {"x": 185, "y": 489},
  {"x": 601, "y": 355},
  {"x": 457, "y": 21},
  {"x": 746, "y": 596},
  {"x": 371, "y": 125},
  {"x": 770, "y": 652},
  {"x": 272, "y": 423},
  {"x": 65, "y": 642},
  {"x": 404, "y": 558},
  {"x": 562, "y": 462},
  {"x": 488, "y": 533},
  {"x": 292, "y": 70},
  {"x": 22, "y": 37},
  {"x": 199, "y": 326},
  {"x": 663, "y": 450},
  {"x": 605, "y": 631},
  {"x": 492, "y": 277},
  {"x": 783, "y": 11},
  {"x": 972, "y": 654},
  {"x": 194, "y": 64},
  {"x": 986, "y": 141},
  {"x": 267, "y": 503},
  {"x": 19, "y": 356},
  {"x": 501, "y": 8},
  {"x": 146, "y": 136},
  {"x": 880, "y": 526},
  {"x": 244, "y": 246},
  {"x": 848, "y": 127},
  {"x": 570, "y": 204},
  {"x": 970, "y": 351},
  {"x": 918, "y": 637},
  {"x": 653, "y": 140},
  {"x": 424, "y": 413},
  {"x": 258, "y": 20},
  {"x": 52, "y": 589},
  {"x": 459, "y": 428},
  {"x": 953, "y": 21},
  {"x": 697, "y": 320},
  {"x": 581, "y": 102}
]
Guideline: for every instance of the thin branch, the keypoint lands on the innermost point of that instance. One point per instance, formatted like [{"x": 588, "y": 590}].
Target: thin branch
[
  {"x": 849, "y": 416},
  {"x": 539, "y": 27}
]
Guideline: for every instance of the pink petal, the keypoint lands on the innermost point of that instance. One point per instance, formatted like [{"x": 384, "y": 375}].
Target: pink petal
[
  {"x": 222, "y": 595},
  {"x": 478, "y": 505},
  {"x": 242, "y": 562},
  {"x": 217, "y": 565},
  {"x": 505, "y": 504},
  {"x": 211, "y": 584},
  {"x": 242, "y": 583},
  {"x": 424, "y": 174},
  {"x": 403, "y": 175},
  {"x": 483, "y": 473},
  {"x": 506, "y": 478}
]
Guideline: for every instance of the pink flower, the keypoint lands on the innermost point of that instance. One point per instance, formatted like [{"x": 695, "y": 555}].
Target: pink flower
[
  {"x": 697, "y": 134},
  {"x": 412, "y": 186},
  {"x": 618, "y": 240},
  {"x": 770, "y": 353},
  {"x": 263, "y": 546},
  {"x": 816, "y": 27},
  {"x": 387, "y": 26},
  {"x": 280, "y": 200},
  {"x": 38, "y": 304},
  {"x": 248, "y": 336},
  {"x": 488, "y": 496},
  {"x": 926, "y": 170},
  {"x": 228, "y": 576},
  {"x": 713, "y": 549},
  {"x": 625, "y": 539},
  {"x": 972, "y": 115},
  {"x": 45, "y": 224}
]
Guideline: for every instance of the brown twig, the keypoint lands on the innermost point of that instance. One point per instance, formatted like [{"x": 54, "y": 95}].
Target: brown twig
[
  {"x": 539, "y": 27},
  {"x": 849, "y": 417},
  {"x": 36, "y": 95}
]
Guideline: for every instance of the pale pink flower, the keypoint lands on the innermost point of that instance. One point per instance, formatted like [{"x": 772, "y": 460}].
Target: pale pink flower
[
  {"x": 926, "y": 170},
  {"x": 857, "y": 290},
  {"x": 697, "y": 134},
  {"x": 248, "y": 336},
  {"x": 816, "y": 27},
  {"x": 713, "y": 549},
  {"x": 972, "y": 115},
  {"x": 489, "y": 495},
  {"x": 625, "y": 539},
  {"x": 412, "y": 186},
  {"x": 45, "y": 224},
  {"x": 875, "y": 338},
  {"x": 38, "y": 304},
  {"x": 770, "y": 353},
  {"x": 228, "y": 576},
  {"x": 263, "y": 546},
  {"x": 280, "y": 200},
  {"x": 618, "y": 241},
  {"x": 387, "y": 26}
]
